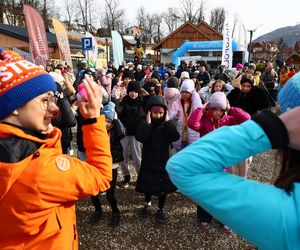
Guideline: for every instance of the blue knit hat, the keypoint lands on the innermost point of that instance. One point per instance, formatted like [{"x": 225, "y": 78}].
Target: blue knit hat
[
  {"x": 109, "y": 111},
  {"x": 20, "y": 82},
  {"x": 289, "y": 96}
]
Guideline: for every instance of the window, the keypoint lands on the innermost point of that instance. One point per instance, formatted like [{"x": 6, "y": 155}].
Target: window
[
  {"x": 199, "y": 53},
  {"x": 217, "y": 53}
]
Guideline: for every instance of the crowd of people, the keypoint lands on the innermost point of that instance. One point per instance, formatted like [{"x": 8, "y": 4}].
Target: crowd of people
[{"x": 145, "y": 112}]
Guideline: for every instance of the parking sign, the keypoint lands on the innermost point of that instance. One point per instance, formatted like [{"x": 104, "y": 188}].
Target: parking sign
[{"x": 86, "y": 43}]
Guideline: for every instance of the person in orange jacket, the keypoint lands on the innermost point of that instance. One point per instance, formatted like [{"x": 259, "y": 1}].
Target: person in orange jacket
[{"x": 40, "y": 185}]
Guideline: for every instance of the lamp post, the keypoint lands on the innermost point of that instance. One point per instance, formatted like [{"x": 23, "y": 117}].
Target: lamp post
[
  {"x": 106, "y": 47},
  {"x": 250, "y": 43}
]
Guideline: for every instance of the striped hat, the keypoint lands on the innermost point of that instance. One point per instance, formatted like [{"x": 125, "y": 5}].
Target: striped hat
[{"x": 20, "y": 82}]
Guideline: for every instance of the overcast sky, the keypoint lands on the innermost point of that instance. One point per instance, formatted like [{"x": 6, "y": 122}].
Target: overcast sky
[{"x": 270, "y": 13}]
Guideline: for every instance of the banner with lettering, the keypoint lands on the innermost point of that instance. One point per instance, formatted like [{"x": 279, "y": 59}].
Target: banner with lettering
[
  {"x": 38, "y": 44},
  {"x": 62, "y": 41},
  {"x": 227, "y": 43}
]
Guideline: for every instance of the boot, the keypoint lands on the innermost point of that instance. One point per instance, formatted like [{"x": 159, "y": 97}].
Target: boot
[{"x": 95, "y": 217}]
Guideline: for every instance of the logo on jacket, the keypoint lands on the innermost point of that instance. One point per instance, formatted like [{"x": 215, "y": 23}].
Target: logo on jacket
[{"x": 62, "y": 163}]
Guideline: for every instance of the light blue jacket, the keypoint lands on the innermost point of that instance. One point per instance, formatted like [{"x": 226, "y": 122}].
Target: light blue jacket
[{"x": 263, "y": 214}]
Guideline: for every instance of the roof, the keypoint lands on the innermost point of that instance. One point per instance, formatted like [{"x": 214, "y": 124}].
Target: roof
[
  {"x": 182, "y": 27},
  {"x": 293, "y": 58},
  {"x": 21, "y": 34}
]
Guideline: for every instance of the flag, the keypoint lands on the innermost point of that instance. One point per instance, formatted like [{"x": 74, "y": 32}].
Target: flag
[
  {"x": 117, "y": 43},
  {"x": 92, "y": 55},
  {"x": 227, "y": 43},
  {"x": 38, "y": 44},
  {"x": 62, "y": 41}
]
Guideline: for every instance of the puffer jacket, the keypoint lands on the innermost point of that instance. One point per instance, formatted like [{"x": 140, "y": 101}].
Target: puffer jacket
[
  {"x": 39, "y": 189},
  {"x": 171, "y": 95},
  {"x": 176, "y": 106},
  {"x": 200, "y": 121}
]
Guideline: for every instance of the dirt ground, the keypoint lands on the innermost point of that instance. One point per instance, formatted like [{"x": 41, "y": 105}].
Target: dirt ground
[{"x": 181, "y": 230}]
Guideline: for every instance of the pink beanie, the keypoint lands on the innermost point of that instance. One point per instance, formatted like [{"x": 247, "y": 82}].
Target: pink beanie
[
  {"x": 218, "y": 100},
  {"x": 239, "y": 66}
]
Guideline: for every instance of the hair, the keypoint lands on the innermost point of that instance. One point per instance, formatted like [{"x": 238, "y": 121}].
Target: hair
[
  {"x": 284, "y": 69},
  {"x": 289, "y": 159},
  {"x": 215, "y": 82},
  {"x": 252, "y": 66}
]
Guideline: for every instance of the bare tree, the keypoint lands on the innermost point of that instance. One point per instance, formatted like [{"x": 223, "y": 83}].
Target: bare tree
[
  {"x": 157, "y": 23},
  {"x": 171, "y": 19},
  {"x": 70, "y": 11},
  {"x": 193, "y": 11},
  {"x": 141, "y": 17},
  {"x": 113, "y": 17},
  {"x": 47, "y": 10},
  {"x": 217, "y": 18}
]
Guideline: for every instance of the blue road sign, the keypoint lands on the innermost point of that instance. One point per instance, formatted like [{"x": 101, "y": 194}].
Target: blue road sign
[{"x": 86, "y": 43}]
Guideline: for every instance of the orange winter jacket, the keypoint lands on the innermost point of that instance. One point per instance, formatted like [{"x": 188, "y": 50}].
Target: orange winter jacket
[{"x": 38, "y": 193}]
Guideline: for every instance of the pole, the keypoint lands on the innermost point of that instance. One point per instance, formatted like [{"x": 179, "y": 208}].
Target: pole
[
  {"x": 106, "y": 46},
  {"x": 250, "y": 45}
]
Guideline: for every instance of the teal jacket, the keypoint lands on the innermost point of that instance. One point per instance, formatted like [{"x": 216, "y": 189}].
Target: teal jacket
[{"x": 263, "y": 214}]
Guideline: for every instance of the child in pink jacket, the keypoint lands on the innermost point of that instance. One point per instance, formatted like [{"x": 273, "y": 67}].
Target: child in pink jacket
[{"x": 214, "y": 114}]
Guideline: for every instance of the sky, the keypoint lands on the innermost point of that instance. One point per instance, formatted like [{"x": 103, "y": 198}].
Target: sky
[{"x": 266, "y": 15}]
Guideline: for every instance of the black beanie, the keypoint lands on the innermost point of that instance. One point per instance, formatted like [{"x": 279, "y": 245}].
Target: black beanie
[
  {"x": 134, "y": 86},
  {"x": 128, "y": 73},
  {"x": 173, "y": 82},
  {"x": 245, "y": 79},
  {"x": 155, "y": 75}
]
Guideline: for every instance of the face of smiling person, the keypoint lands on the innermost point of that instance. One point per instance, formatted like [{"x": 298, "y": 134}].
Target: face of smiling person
[{"x": 38, "y": 113}]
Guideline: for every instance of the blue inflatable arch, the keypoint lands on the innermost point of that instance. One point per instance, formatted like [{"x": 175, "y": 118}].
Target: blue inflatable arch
[{"x": 196, "y": 46}]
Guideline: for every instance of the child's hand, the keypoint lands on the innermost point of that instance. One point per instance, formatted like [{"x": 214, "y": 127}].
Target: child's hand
[
  {"x": 167, "y": 116},
  {"x": 228, "y": 106},
  {"x": 178, "y": 115},
  {"x": 205, "y": 105},
  {"x": 148, "y": 118}
]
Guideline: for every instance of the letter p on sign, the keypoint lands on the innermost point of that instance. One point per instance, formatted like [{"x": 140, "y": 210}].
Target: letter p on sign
[{"x": 86, "y": 43}]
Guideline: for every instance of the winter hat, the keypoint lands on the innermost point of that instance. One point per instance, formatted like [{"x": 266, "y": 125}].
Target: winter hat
[
  {"x": 128, "y": 73},
  {"x": 173, "y": 82},
  {"x": 134, "y": 86},
  {"x": 188, "y": 86},
  {"x": 156, "y": 100},
  {"x": 289, "y": 96},
  {"x": 246, "y": 79},
  {"x": 155, "y": 75},
  {"x": 239, "y": 66},
  {"x": 109, "y": 111},
  {"x": 218, "y": 100},
  {"x": 20, "y": 82},
  {"x": 139, "y": 67},
  {"x": 185, "y": 74}
]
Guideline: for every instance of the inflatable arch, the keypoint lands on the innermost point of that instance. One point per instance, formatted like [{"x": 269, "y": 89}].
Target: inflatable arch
[{"x": 196, "y": 46}]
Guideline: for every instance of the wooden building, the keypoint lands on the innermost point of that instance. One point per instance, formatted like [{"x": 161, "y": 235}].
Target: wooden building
[
  {"x": 294, "y": 59},
  {"x": 191, "y": 32}
]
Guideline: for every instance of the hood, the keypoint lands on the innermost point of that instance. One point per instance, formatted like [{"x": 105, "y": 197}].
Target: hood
[
  {"x": 171, "y": 94},
  {"x": 10, "y": 172},
  {"x": 156, "y": 100}
]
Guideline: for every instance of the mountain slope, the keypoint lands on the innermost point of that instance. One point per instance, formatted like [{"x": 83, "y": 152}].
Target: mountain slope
[{"x": 290, "y": 35}]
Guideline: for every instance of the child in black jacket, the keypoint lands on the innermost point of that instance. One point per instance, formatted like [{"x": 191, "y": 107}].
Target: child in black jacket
[
  {"x": 116, "y": 132},
  {"x": 156, "y": 134}
]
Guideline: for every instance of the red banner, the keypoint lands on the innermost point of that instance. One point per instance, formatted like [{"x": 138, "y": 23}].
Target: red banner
[{"x": 38, "y": 43}]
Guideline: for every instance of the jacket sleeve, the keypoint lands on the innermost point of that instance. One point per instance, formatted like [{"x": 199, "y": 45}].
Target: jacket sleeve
[
  {"x": 237, "y": 116},
  {"x": 143, "y": 133},
  {"x": 63, "y": 178},
  {"x": 194, "y": 121},
  {"x": 258, "y": 212},
  {"x": 170, "y": 131}
]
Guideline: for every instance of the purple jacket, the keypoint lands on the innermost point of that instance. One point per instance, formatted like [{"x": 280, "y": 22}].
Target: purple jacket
[{"x": 203, "y": 124}]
